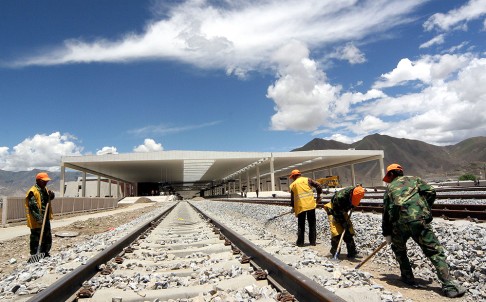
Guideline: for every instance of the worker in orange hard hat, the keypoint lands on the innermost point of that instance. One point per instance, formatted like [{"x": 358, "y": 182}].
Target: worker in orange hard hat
[
  {"x": 407, "y": 213},
  {"x": 36, "y": 201},
  {"x": 392, "y": 171},
  {"x": 303, "y": 204},
  {"x": 339, "y": 220}
]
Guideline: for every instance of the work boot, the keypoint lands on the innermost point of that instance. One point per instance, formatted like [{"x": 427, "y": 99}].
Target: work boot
[
  {"x": 352, "y": 255},
  {"x": 408, "y": 280},
  {"x": 299, "y": 244},
  {"x": 456, "y": 292}
]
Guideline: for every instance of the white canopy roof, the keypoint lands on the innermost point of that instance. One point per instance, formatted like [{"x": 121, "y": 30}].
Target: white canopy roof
[{"x": 201, "y": 169}]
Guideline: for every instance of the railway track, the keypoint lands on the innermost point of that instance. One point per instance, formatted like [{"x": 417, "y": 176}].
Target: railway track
[
  {"x": 449, "y": 211},
  {"x": 182, "y": 254}
]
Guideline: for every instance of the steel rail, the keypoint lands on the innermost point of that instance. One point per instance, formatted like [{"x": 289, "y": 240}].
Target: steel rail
[
  {"x": 67, "y": 286},
  {"x": 296, "y": 283},
  {"x": 444, "y": 210}
]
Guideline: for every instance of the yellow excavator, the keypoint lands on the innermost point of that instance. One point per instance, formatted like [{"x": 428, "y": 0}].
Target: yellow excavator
[{"x": 329, "y": 182}]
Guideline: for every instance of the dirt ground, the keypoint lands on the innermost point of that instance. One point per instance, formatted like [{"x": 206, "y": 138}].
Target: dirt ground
[
  {"x": 19, "y": 248},
  {"x": 384, "y": 275}
]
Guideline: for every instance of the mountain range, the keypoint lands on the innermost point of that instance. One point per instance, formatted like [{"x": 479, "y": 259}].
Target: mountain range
[{"x": 416, "y": 157}]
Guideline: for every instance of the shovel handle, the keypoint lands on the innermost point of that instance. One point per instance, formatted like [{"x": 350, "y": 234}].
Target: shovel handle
[
  {"x": 371, "y": 255},
  {"x": 338, "y": 250},
  {"x": 43, "y": 226}
]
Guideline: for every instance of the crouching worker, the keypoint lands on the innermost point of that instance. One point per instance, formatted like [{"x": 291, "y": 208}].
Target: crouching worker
[
  {"x": 407, "y": 214},
  {"x": 339, "y": 220}
]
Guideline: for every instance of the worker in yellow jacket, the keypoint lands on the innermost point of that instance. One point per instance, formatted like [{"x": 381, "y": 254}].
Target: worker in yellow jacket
[
  {"x": 304, "y": 204},
  {"x": 36, "y": 200}
]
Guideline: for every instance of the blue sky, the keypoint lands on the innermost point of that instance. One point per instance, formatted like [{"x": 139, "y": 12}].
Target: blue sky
[{"x": 88, "y": 77}]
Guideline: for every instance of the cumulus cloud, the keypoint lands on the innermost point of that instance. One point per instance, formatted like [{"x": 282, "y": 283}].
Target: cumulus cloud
[
  {"x": 149, "y": 145},
  {"x": 41, "y": 151},
  {"x": 107, "y": 150},
  {"x": 303, "y": 98},
  {"x": 455, "y": 18},
  {"x": 443, "y": 111},
  {"x": 425, "y": 70}
]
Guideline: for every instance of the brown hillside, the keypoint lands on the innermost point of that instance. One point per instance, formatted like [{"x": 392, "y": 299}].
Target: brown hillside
[{"x": 417, "y": 157}]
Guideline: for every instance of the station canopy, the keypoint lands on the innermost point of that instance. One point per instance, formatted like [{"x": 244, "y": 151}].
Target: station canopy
[{"x": 196, "y": 170}]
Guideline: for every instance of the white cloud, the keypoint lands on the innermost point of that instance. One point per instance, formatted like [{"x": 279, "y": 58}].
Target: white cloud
[
  {"x": 405, "y": 71},
  {"x": 435, "y": 40},
  {"x": 369, "y": 124},
  {"x": 425, "y": 70},
  {"x": 207, "y": 36},
  {"x": 472, "y": 10},
  {"x": 303, "y": 98},
  {"x": 39, "y": 152},
  {"x": 341, "y": 138},
  {"x": 107, "y": 150},
  {"x": 164, "y": 130},
  {"x": 350, "y": 53},
  {"x": 443, "y": 112},
  {"x": 149, "y": 145}
]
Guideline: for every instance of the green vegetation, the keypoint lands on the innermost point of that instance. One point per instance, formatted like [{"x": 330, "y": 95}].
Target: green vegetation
[{"x": 467, "y": 177}]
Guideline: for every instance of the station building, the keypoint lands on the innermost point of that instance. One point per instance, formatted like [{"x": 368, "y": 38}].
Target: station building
[{"x": 203, "y": 173}]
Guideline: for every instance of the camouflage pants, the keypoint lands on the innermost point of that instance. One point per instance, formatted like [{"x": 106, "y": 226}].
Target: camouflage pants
[
  {"x": 424, "y": 236},
  {"x": 46, "y": 240}
]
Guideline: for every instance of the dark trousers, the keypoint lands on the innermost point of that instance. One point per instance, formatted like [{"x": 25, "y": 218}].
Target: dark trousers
[
  {"x": 46, "y": 239},
  {"x": 311, "y": 219},
  {"x": 350, "y": 244}
]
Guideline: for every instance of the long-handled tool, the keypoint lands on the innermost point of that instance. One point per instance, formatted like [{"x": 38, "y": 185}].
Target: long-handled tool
[
  {"x": 371, "y": 255},
  {"x": 338, "y": 250},
  {"x": 38, "y": 256},
  {"x": 275, "y": 217}
]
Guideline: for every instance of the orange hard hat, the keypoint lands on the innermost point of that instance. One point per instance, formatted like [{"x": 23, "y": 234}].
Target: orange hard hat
[
  {"x": 358, "y": 193},
  {"x": 391, "y": 167},
  {"x": 42, "y": 176},
  {"x": 294, "y": 173}
]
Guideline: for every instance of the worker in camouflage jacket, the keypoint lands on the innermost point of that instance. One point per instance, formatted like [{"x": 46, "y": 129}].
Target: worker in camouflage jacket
[
  {"x": 407, "y": 214},
  {"x": 339, "y": 220}
]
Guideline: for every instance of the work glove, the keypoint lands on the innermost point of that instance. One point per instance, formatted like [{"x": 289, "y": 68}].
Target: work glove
[
  {"x": 51, "y": 195},
  {"x": 345, "y": 225},
  {"x": 388, "y": 239},
  {"x": 319, "y": 200}
]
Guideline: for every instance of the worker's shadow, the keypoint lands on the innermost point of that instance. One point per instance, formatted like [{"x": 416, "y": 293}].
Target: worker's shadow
[{"x": 421, "y": 284}]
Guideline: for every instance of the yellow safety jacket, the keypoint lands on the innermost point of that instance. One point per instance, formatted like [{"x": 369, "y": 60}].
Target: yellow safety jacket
[
  {"x": 336, "y": 228},
  {"x": 303, "y": 195},
  {"x": 31, "y": 222}
]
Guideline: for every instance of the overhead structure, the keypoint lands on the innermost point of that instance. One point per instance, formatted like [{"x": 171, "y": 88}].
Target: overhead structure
[{"x": 203, "y": 171}]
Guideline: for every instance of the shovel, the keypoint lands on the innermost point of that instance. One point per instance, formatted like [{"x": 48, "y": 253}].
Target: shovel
[
  {"x": 338, "y": 250},
  {"x": 275, "y": 217},
  {"x": 371, "y": 255},
  {"x": 38, "y": 256}
]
